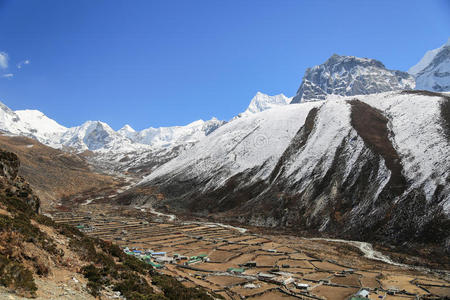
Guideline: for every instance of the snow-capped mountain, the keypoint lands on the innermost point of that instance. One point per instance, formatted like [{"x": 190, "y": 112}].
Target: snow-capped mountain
[
  {"x": 350, "y": 76},
  {"x": 99, "y": 136},
  {"x": 261, "y": 102},
  {"x": 432, "y": 72},
  {"x": 115, "y": 150},
  {"x": 37, "y": 120},
  {"x": 127, "y": 131},
  {"x": 30, "y": 123},
  {"x": 95, "y": 136},
  {"x": 10, "y": 122},
  {"x": 353, "y": 166},
  {"x": 165, "y": 137}
]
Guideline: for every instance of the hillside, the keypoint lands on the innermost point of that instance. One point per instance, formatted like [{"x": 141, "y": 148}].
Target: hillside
[
  {"x": 39, "y": 258},
  {"x": 54, "y": 174}
]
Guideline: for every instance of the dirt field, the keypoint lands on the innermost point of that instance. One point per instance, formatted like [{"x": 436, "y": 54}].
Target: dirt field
[{"x": 332, "y": 292}]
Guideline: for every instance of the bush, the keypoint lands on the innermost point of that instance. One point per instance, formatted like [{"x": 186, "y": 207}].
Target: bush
[
  {"x": 15, "y": 275},
  {"x": 97, "y": 278},
  {"x": 137, "y": 265},
  {"x": 84, "y": 247},
  {"x": 44, "y": 220},
  {"x": 134, "y": 287},
  {"x": 111, "y": 249}
]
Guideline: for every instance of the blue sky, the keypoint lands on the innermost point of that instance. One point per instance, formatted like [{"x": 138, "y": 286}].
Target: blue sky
[{"x": 164, "y": 63}]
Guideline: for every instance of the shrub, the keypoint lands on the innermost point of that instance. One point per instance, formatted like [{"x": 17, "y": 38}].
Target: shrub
[
  {"x": 137, "y": 265},
  {"x": 134, "y": 288},
  {"x": 97, "y": 278},
  {"x": 14, "y": 275},
  {"x": 111, "y": 249}
]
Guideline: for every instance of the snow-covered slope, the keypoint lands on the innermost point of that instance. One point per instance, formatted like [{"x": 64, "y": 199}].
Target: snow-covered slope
[
  {"x": 37, "y": 120},
  {"x": 374, "y": 166},
  {"x": 238, "y": 146},
  {"x": 42, "y": 128},
  {"x": 261, "y": 102},
  {"x": 349, "y": 76},
  {"x": 10, "y": 122},
  {"x": 432, "y": 72}
]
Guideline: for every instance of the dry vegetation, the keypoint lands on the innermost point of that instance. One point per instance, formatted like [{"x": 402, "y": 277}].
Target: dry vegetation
[{"x": 54, "y": 174}]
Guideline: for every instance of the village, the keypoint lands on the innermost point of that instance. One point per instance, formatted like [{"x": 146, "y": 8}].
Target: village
[{"x": 238, "y": 264}]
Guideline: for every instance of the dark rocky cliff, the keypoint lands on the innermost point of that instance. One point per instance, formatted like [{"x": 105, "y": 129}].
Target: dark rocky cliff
[{"x": 13, "y": 185}]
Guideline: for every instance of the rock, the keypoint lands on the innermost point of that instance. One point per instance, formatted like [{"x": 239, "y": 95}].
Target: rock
[{"x": 14, "y": 185}]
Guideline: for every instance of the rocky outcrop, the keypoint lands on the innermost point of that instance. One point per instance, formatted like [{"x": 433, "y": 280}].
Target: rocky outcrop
[
  {"x": 13, "y": 185},
  {"x": 350, "y": 76}
]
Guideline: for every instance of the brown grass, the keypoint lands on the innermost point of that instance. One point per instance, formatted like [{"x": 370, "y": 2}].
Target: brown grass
[{"x": 53, "y": 174}]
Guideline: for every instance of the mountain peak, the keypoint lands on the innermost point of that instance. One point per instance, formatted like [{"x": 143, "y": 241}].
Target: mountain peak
[
  {"x": 432, "y": 72},
  {"x": 426, "y": 59},
  {"x": 261, "y": 102},
  {"x": 349, "y": 76},
  {"x": 127, "y": 128},
  {"x": 336, "y": 58}
]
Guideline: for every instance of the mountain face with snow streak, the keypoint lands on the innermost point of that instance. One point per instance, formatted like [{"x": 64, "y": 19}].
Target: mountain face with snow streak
[
  {"x": 356, "y": 167},
  {"x": 432, "y": 72},
  {"x": 350, "y": 76}
]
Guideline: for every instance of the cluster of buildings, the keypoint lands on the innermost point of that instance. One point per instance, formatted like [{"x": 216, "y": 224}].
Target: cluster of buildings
[{"x": 159, "y": 259}]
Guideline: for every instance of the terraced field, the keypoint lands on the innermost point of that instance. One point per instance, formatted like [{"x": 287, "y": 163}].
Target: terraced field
[{"x": 274, "y": 266}]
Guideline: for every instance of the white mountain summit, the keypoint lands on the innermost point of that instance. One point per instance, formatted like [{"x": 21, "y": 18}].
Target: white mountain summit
[
  {"x": 432, "y": 72},
  {"x": 262, "y": 102}
]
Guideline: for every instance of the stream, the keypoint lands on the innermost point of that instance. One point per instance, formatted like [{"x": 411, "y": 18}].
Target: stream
[{"x": 366, "y": 248}]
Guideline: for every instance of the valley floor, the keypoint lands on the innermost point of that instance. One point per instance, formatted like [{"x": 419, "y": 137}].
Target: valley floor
[{"x": 274, "y": 266}]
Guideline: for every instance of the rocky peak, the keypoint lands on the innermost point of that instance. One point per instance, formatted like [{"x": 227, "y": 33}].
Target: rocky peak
[{"x": 349, "y": 76}]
